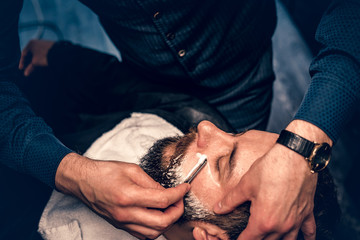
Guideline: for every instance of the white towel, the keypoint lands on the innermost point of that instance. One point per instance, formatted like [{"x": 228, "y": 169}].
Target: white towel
[{"x": 65, "y": 217}]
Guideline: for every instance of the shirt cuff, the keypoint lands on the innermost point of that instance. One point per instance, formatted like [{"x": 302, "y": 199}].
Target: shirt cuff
[
  {"x": 43, "y": 156},
  {"x": 327, "y": 105}
]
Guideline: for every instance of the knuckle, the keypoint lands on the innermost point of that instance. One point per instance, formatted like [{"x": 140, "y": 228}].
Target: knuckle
[
  {"x": 153, "y": 234},
  {"x": 162, "y": 225},
  {"x": 120, "y": 217},
  {"x": 124, "y": 200},
  {"x": 267, "y": 226},
  {"x": 310, "y": 231},
  {"x": 287, "y": 227},
  {"x": 311, "y": 208},
  {"x": 134, "y": 169},
  {"x": 164, "y": 202},
  {"x": 158, "y": 186}
]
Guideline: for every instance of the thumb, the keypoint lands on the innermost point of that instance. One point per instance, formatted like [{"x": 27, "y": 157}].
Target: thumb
[{"x": 232, "y": 199}]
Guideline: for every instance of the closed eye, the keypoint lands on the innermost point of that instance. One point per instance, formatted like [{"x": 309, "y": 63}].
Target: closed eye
[
  {"x": 217, "y": 164},
  {"x": 231, "y": 162},
  {"x": 232, "y": 159}
]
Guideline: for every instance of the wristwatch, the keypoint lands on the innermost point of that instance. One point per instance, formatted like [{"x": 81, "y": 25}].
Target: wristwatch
[{"x": 317, "y": 154}]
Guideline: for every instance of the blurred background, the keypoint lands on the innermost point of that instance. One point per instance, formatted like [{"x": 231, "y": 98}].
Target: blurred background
[{"x": 293, "y": 44}]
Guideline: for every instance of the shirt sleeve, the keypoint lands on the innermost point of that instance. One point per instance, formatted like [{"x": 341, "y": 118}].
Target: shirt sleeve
[
  {"x": 27, "y": 144},
  {"x": 335, "y": 87}
]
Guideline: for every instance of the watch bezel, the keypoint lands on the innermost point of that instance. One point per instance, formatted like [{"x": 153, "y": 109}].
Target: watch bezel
[{"x": 325, "y": 157}]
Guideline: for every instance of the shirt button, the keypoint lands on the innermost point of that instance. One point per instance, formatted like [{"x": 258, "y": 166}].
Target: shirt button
[
  {"x": 157, "y": 15},
  {"x": 182, "y": 53},
  {"x": 170, "y": 36}
]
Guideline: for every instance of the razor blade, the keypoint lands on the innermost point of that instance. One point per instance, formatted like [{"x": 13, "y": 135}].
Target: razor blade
[{"x": 197, "y": 168}]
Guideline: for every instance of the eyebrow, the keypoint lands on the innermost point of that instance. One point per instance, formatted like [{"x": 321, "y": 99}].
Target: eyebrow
[{"x": 181, "y": 147}]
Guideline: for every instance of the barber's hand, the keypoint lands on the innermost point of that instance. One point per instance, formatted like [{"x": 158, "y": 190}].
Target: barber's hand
[
  {"x": 34, "y": 55},
  {"x": 122, "y": 193},
  {"x": 281, "y": 189}
]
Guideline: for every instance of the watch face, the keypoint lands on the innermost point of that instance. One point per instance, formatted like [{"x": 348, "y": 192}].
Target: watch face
[{"x": 321, "y": 157}]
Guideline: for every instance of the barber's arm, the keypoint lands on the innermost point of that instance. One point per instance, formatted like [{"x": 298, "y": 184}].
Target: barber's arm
[
  {"x": 280, "y": 185},
  {"x": 124, "y": 195},
  {"x": 26, "y": 142}
]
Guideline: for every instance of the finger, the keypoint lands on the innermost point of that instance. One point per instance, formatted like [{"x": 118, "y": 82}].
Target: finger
[
  {"x": 158, "y": 198},
  {"x": 248, "y": 234},
  {"x": 273, "y": 236},
  {"x": 135, "y": 234},
  {"x": 29, "y": 69},
  {"x": 145, "y": 180},
  {"x": 308, "y": 228},
  {"x": 142, "y": 232},
  {"x": 21, "y": 62},
  {"x": 174, "y": 212},
  {"x": 251, "y": 232},
  {"x": 24, "y": 53},
  {"x": 153, "y": 218},
  {"x": 234, "y": 198},
  {"x": 292, "y": 235}
]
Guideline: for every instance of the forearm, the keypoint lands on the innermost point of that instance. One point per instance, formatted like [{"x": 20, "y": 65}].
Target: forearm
[
  {"x": 309, "y": 131},
  {"x": 335, "y": 87},
  {"x": 70, "y": 172},
  {"x": 26, "y": 142}
]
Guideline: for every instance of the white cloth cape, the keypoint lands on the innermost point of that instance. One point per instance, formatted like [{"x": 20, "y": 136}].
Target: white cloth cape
[{"x": 66, "y": 217}]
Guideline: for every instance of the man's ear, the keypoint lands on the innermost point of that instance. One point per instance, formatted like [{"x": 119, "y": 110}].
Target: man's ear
[{"x": 207, "y": 231}]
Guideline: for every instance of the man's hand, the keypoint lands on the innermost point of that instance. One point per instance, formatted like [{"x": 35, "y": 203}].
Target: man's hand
[
  {"x": 34, "y": 55},
  {"x": 281, "y": 190},
  {"x": 122, "y": 193}
]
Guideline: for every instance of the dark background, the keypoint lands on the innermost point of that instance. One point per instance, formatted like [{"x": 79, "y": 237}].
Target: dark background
[{"x": 293, "y": 44}]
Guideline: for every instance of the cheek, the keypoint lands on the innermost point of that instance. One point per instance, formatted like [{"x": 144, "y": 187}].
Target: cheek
[
  {"x": 247, "y": 159},
  {"x": 206, "y": 190}
]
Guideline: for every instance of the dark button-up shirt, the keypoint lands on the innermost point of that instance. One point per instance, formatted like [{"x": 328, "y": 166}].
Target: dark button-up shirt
[{"x": 194, "y": 41}]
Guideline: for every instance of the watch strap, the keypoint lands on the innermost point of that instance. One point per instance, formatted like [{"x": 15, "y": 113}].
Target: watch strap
[{"x": 296, "y": 143}]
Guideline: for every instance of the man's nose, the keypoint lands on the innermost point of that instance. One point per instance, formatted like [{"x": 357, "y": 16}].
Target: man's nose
[{"x": 208, "y": 133}]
